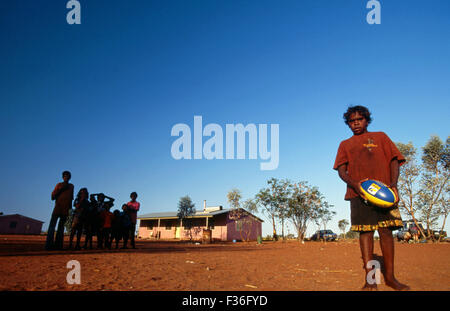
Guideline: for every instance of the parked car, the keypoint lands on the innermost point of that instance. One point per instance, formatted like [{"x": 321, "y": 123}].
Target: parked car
[
  {"x": 407, "y": 225},
  {"x": 326, "y": 235},
  {"x": 438, "y": 233},
  {"x": 401, "y": 234}
]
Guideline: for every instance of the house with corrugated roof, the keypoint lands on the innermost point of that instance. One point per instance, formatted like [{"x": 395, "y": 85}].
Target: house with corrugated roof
[{"x": 221, "y": 224}]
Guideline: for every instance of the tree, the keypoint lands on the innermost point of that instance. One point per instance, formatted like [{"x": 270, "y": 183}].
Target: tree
[
  {"x": 242, "y": 216},
  {"x": 274, "y": 202},
  {"x": 444, "y": 203},
  {"x": 250, "y": 206},
  {"x": 186, "y": 209},
  {"x": 325, "y": 213},
  {"x": 444, "y": 209},
  {"x": 409, "y": 173},
  {"x": 263, "y": 199},
  {"x": 321, "y": 214},
  {"x": 352, "y": 235},
  {"x": 342, "y": 224},
  {"x": 304, "y": 206},
  {"x": 280, "y": 190},
  {"x": 434, "y": 180},
  {"x": 236, "y": 213},
  {"x": 68, "y": 223},
  {"x": 234, "y": 196}
]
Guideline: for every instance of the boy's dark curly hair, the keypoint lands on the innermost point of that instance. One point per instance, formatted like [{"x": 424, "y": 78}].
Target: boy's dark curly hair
[{"x": 361, "y": 110}]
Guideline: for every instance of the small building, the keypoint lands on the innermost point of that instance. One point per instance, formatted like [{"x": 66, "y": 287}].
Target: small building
[
  {"x": 19, "y": 224},
  {"x": 225, "y": 225}
]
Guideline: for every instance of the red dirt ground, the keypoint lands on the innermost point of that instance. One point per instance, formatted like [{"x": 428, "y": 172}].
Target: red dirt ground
[{"x": 177, "y": 266}]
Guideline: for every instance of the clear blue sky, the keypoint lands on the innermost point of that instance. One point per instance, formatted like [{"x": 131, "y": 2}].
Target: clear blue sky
[{"x": 100, "y": 98}]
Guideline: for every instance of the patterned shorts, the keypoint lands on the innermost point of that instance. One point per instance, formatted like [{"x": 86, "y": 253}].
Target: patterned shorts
[{"x": 368, "y": 217}]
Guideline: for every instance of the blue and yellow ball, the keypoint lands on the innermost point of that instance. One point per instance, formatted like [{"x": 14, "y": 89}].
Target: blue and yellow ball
[{"x": 378, "y": 193}]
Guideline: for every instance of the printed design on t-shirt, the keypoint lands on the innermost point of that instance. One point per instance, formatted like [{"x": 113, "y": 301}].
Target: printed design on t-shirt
[{"x": 370, "y": 144}]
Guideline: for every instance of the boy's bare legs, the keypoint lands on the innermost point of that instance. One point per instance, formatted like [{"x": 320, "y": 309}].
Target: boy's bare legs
[
  {"x": 387, "y": 247},
  {"x": 366, "y": 245},
  {"x": 72, "y": 234},
  {"x": 79, "y": 232}
]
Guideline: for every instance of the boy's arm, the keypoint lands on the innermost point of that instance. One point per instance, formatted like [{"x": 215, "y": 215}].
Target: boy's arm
[
  {"x": 58, "y": 190},
  {"x": 342, "y": 170},
  {"x": 109, "y": 198},
  {"x": 55, "y": 193},
  {"x": 72, "y": 192},
  {"x": 395, "y": 172}
]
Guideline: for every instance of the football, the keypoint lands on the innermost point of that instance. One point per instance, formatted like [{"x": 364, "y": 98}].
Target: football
[{"x": 378, "y": 193}]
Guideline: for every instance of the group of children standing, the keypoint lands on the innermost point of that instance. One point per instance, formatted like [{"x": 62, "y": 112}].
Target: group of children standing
[{"x": 92, "y": 216}]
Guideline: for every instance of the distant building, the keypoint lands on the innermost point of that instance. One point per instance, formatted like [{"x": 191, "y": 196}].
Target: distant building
[
  {"x": 223, "y": 228},
  {"x": 18, "y": 224}
]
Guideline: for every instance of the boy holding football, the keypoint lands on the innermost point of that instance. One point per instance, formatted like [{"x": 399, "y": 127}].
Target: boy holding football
[{"x": 370, "y": 155}]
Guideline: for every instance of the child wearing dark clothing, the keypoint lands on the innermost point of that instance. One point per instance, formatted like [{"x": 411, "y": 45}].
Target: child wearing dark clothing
[
  {"x": 81, "y": 205},
  {"x": 132, "y": 209},
  {"x": 106, "y": 224},
  {"x": 91, "y": 222},
  {"x": 125, "y": 225},
  {"x": 99, "y": 206},
  {"x": 116, "y": 228}
]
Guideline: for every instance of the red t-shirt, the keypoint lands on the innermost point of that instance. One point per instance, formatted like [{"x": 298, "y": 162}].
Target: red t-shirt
[
  {"x": 368, "y": 155},
  {"x": 133, "y": 208},
  {"x": 63, "y": 201},
  {"x": 106, "y": 217}
]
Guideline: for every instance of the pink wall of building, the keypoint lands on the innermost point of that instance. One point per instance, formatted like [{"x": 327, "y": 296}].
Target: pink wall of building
[
  {"x": 18, "y": 224},
  {"x": 246, "y": 228},
  {"x": 224, "y": 229},
  {"x": 151, "y": 231}
]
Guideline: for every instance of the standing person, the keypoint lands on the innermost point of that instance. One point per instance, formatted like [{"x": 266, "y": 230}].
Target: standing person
[
  {"x": 132, "y": 209},
  {"x": 125, "y": 225},
  {"x": 63, "y": 196},
  {"x": 116, "y": 228},
  {"x": 79, "y": 219},
  {"x": 101, "y": 201},
  {"x": 370, "y": 155},
  {"x": 91, "y": 222},
  {"x": 106, "y": 223},
  {"x": 99, "y": 206}
]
